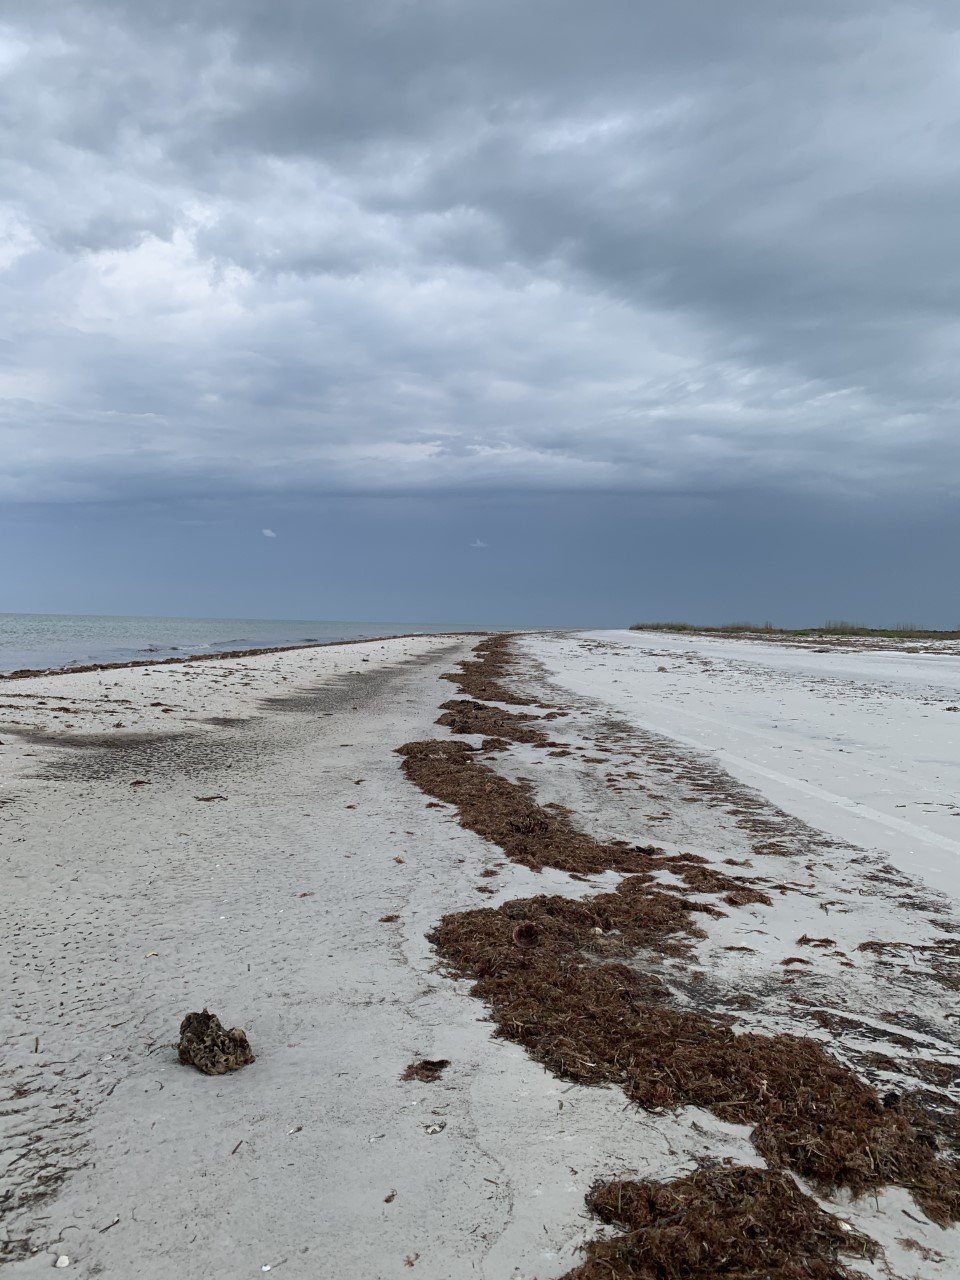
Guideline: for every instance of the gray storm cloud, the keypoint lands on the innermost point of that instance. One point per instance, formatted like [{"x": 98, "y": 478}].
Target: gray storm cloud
[{"x": 409, "y": 245}]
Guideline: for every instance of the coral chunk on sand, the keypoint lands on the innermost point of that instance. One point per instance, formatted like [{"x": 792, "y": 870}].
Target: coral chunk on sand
[{"x": 207, "y": 1045}]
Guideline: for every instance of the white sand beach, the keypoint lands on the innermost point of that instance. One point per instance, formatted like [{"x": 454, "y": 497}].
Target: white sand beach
[{"x": 231, "y": 834}]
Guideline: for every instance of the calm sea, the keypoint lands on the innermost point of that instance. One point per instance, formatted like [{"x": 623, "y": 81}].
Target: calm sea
[{"x": 63, "y": 640}]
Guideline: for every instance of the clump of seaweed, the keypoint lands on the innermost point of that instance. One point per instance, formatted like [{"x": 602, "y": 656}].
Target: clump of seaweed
[
  {"x": 743, "y": 1224},
  {"x": 506, "y": 813},
  {"x": 537, "y": 836},
  {"x": 595, "y": 1020},
  {"x": 426, "y": 1070},
  {"x": 482, "y": 677},
  {"x": 467, "y": 716}
]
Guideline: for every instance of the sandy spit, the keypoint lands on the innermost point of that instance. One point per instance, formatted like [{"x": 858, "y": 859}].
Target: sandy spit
[
  {"x": 231, "y": 833},
  {"x": 130, "y": 898}
]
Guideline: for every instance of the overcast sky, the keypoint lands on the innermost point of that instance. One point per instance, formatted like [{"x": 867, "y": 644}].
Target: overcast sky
[{"x": 267, "y": 262}]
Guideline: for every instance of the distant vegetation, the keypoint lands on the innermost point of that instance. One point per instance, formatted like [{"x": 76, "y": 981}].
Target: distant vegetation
[{"x": 903, "y": 631}]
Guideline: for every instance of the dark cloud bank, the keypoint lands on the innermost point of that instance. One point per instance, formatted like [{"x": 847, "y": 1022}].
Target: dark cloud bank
[{"x": 697, "y": 256}]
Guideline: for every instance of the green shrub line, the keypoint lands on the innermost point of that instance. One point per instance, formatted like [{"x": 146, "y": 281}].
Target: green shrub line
[{"x": 905, "y": 630}]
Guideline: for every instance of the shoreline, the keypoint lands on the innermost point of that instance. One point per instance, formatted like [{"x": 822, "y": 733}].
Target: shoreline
[{"x": 25, "y": 673}]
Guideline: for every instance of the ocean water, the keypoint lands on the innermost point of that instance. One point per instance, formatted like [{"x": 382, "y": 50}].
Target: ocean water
[{"x": 41, "y": 640}]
